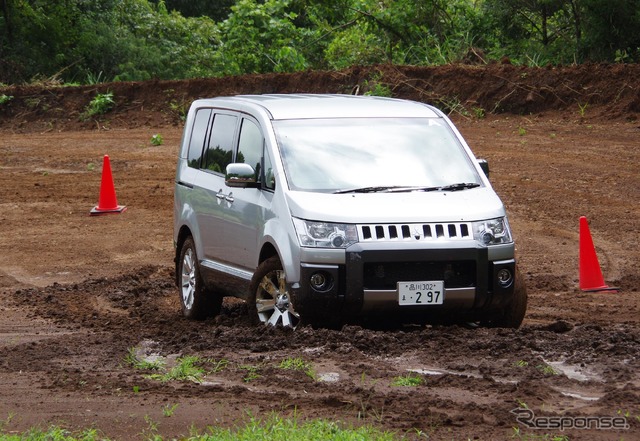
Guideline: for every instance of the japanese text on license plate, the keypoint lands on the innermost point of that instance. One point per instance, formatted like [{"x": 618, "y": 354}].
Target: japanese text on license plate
[{"x": 421, "y": 293}]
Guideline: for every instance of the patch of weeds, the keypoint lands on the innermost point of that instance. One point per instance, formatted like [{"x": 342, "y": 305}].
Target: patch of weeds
[
  {"x": 453, "y": 105},
  {"x": 169, "y": 409},
  {"x": 5, "y": 98},
  {"x": 91, "y": 166},
  {"x": 133, "y": 360},
  {"x": 409, "y": 380},
  {"x": 582, "y": 109},
  {"x": 546, "y": 369},
  {"x": 218, "y": 365},
  {"x": 375, "y": 87},
  {"x": 136, "y": 389},
  {"x": 179, "y": 108},
  {"x": 517, "y": 434},
  {"x": 6, "y": 421},
  {"x": 157, "y": 139},
  {"x": 552, "y": 136},
  {"x": 186, "y": 369},
  {"x": 276, "y": 427},
  {"x": 252, "y": 373},
  {"x": 522, "y": 131},
  {"x": 521, "y": 363},
  {"x": 99, "y": 105},
  {"x": 298, "y": 364},
  {"x": 479, "y": 112},
  {"x": 151, "y": 432},
  {"x": 93, "y": 78}
]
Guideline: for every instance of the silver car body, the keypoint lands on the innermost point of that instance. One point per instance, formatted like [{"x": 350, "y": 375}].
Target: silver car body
[{"x": 236, "y": 227}]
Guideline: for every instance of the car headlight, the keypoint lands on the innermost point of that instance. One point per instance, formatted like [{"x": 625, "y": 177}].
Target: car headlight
[
  {"x": 325, "y": 234},
  {"x": 492, "y": 232}
]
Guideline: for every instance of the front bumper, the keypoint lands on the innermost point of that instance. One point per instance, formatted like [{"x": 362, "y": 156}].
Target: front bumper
[{"x": 366, "y": 283}]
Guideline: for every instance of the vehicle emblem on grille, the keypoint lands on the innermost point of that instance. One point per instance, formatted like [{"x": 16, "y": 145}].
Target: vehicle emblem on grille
[{"x": 417, "y": 233}]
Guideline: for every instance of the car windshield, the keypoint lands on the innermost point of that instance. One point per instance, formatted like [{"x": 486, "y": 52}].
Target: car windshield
[{"x": 373, "y": 154}]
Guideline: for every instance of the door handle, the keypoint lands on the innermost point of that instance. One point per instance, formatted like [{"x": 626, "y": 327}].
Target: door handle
[{"x": 229, "y": 197}]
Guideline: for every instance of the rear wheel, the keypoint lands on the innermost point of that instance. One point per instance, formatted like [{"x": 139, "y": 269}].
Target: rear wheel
[
  {"x": 270, "y": 301},
  {"x": 196, "y": 301}
]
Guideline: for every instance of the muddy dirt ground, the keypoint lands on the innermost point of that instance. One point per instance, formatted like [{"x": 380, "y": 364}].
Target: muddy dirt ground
[{"x": 81, "y": 293}]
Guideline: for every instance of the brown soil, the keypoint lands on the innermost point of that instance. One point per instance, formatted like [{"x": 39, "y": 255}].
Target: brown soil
[{"x": 79, "y": 292}]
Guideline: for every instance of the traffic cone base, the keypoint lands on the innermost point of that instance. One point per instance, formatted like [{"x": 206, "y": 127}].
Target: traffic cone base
[
  {"x": 591, "y": 279},
  {"x": 107, "y": 204},
  {"x": 96, "y": 210}
]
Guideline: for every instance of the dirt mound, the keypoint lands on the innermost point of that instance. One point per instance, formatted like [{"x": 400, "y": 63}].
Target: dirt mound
[{"x": 612, "y": 90}]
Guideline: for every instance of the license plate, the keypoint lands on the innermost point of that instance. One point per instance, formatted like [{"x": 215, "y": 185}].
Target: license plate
[{"x": 421, "y": 293}]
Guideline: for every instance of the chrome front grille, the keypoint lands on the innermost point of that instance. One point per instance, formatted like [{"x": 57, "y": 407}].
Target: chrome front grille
[{"x": 415, "y": 232}]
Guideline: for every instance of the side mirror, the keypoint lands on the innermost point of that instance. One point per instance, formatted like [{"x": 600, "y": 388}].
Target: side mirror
[
  {"x": 240, "y": 175},
  {"x": 484, "y": 165}
]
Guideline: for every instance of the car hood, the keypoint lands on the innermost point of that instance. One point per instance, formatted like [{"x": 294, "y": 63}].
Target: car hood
[{"x": 436, "y": 206}]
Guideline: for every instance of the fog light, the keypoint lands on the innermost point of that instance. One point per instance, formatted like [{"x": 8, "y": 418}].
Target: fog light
[
  {"x": 504, "y": 277},
  {"x": 321, "y": 281}
]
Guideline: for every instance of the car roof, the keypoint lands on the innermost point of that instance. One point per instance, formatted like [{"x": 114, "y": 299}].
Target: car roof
[{"x": 303, "y": 106}]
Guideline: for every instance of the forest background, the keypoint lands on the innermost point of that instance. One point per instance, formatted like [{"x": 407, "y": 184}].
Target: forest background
[{"x": 92, "y": 41}]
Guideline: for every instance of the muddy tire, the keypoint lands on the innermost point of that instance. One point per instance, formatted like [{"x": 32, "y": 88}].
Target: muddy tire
[
  {"x": 513, "y": 315},
  {"x": 196, "y": 301},
  {"x": 270, "y": 302}
]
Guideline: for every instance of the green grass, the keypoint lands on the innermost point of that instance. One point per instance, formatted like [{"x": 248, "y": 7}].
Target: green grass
[
  {"x": 298, "y": 364},
  {"x": 132, "y": 360},
  {"x": 100, "y": 104},
  {"x": 409, "y": 380},
  {"x": 5, "y": 98},
  {"x": 186, "y": 369},
  {"x": 157, "y": 139},
  {"x": 274, "y": 428}
]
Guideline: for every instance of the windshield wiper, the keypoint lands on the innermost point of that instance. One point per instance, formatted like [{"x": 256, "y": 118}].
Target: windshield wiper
[
  {"x": 368, "y": 190},
  {"x": 402, "y": 189},
  {"x": 459, "y": 186}
]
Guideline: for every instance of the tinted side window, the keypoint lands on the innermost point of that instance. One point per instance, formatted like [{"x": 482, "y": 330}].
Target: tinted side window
[
  {"x": 198, "y": 135},
  {"x": 250, "y": 145},
  {"x": 220, "y": 150}
]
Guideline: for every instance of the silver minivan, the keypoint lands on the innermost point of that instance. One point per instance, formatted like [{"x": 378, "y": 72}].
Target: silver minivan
[{"x": 329, "y": 209}]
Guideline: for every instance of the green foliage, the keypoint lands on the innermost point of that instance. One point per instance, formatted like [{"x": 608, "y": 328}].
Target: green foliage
[
  {"x": 5, "y": 98},
  {"x": 298, "y": 364},
  {"x": 408, "y": 380},
  {"x": 260, "y": 37},
  {"x": 92, "y": 41},
  {"x": 376, "y": 88},
  {"x": 134, "y": 361},
  {"x": 100, "y": 104},
  {"x": 157, "y": 139},
  {"x": 186, "y": 369},
  {"x": 274, "y": 428}
]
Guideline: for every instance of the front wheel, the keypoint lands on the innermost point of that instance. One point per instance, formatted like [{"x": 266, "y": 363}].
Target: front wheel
[
  {"x": 197, "y": 302},
  {"x": 270, "y": 301},
  {"x": 513, "y": 315}
]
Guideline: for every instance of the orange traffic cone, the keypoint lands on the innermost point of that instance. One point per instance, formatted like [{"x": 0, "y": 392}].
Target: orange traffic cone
[
  {"x": 108, "y": 202},
  {"x": 591, "y": 279}
]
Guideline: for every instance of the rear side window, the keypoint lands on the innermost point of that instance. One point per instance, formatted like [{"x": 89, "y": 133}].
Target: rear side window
[
  {"x": 198, "y": 135},
  {"x": 219, "y": 152}
]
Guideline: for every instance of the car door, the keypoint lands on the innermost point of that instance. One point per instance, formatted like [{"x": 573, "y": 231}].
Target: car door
[
  {"x": 248, "y": 208},
  {"x": 211, "y": 199}
]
